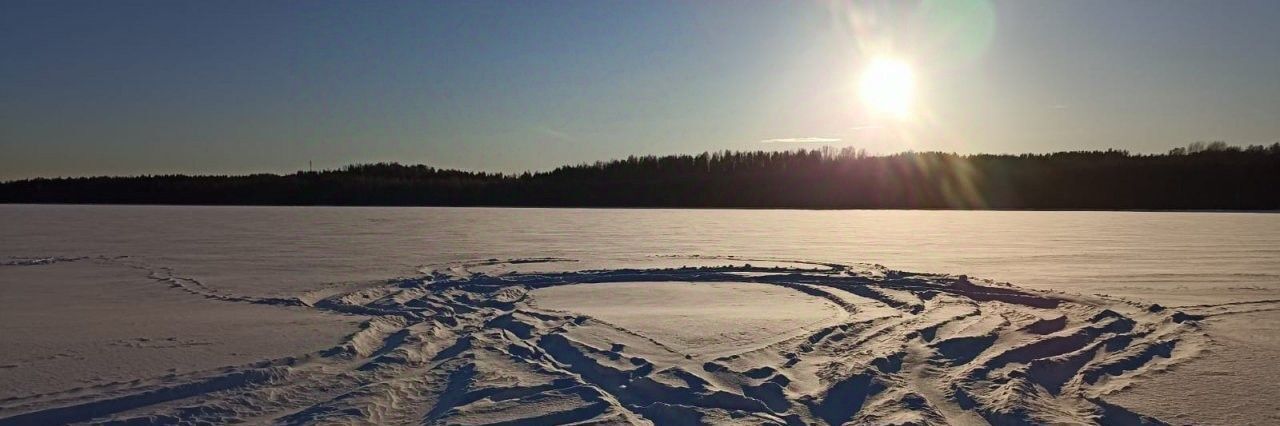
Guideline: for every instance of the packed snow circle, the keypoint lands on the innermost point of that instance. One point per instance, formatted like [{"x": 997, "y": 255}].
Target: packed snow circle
[{"x": 726, "y": 340}]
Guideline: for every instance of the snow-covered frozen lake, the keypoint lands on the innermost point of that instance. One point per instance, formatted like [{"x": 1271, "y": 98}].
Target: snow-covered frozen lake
[
  {"x": 96, "y": 298},
  {"x": 1182, "y": 257}
]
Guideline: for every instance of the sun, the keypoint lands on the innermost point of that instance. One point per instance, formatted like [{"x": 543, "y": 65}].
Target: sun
[{"x": 887, "y": 86}]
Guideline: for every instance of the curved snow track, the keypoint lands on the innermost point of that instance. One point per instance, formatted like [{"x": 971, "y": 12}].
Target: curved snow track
[{"x": 464, "y": 345}]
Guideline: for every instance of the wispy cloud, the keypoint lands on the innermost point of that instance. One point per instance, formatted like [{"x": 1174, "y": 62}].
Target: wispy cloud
[
  {"x": 1058, "y": 106},
  {"x": 553, "y": 133},
  {"x": 861, "y": 128},
  {"x": 799, "y": 140}
]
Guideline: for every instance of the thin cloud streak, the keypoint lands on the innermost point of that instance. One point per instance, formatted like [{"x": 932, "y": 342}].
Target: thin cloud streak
[{"x": 800, "y": 140}]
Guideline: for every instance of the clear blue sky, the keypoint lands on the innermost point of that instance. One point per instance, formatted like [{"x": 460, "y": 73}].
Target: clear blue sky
[{"x": 131, "y": 87}]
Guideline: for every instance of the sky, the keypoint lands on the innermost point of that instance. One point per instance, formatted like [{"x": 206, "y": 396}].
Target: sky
[{"x": 128, "y": 87}]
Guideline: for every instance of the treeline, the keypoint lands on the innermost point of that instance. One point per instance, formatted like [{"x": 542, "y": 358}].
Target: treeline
[{"x": 1211, "y": 176}]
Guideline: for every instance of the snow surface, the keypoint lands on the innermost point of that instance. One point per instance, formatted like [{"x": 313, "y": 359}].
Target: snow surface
[
  {"x": 85, "y": 323},
  {"x": 696, "y": 319},
  {"x": 384, "y": 315}
]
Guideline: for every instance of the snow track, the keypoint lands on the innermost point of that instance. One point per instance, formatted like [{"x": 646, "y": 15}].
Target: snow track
[{"x": 461, "y": 346}]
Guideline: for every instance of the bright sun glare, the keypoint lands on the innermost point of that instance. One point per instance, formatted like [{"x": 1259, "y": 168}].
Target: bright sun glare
[{"x": 887, "y": 86}]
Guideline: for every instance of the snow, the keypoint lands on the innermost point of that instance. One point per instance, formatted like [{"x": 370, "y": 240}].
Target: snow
[
  {"x": 308, "y": 314},
  {"x": 696, "y": 319},
  {"x": 82, "y": 323}
]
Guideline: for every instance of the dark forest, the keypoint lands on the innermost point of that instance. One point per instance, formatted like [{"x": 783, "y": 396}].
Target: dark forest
[{"x": 1201, "y": 176}]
